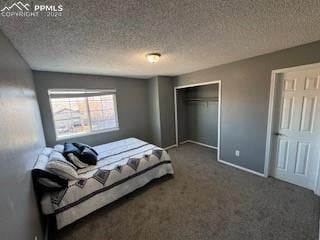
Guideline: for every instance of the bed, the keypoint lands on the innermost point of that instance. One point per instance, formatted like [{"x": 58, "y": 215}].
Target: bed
[{"x": 122, "y": 167}]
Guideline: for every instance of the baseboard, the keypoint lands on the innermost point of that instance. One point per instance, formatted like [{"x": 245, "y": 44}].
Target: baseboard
[
  {"x": 242, "y": 168},
  {"x": 224, "y": 162},
  {"x": 169, "y": 147},
  {"x": 199, "y": 143}
]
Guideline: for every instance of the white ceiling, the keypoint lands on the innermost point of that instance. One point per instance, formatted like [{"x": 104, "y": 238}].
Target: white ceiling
[{"x": 112, "y": 37}]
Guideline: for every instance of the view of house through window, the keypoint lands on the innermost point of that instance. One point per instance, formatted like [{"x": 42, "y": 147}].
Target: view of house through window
[{"x": 83, "y": 111}]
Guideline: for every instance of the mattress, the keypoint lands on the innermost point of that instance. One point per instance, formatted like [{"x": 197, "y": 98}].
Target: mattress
[{"x": 122, "y": 167}]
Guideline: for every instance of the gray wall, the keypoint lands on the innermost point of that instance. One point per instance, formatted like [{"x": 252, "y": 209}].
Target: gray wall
[
  {"x": 161, "y": 111},
  {"x": 154, "y": 111},
  {"x": 198, "y": 120},
  {"x": 21, "y": 140},
  {"x": 132, "y": 103},
  {"x": 166, "y": 98},
  {"x": 245, "y": 95}
]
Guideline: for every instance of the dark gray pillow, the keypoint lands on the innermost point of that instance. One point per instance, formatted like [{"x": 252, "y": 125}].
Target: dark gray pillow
[
  {"x": 82, "y": 146},
  {"x": 70, "y": 148},
  {"x": 88, "y": 156}
]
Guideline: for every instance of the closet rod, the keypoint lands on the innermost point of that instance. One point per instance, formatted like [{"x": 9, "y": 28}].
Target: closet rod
[{"x": 216, "y": 99}]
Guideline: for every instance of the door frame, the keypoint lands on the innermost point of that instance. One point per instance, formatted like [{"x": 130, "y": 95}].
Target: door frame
[
  {"x": 268, "y": 152},
  {"x": 219, "y": 110}
]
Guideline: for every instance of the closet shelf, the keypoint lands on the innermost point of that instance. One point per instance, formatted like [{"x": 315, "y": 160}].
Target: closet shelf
[{"x": 204, "y": 99}]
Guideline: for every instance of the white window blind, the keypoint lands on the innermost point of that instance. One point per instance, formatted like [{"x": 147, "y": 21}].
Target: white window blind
[{"x": 83, "y": 111}]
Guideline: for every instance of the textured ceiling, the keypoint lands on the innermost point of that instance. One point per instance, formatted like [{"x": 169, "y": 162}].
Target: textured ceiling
[{"x": 112, "y": 37}]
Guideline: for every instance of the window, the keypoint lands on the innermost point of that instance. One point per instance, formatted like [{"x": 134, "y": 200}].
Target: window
[{"x": 83, "y": 112}]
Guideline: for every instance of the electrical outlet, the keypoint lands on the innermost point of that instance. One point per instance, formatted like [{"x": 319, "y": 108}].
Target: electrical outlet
[{"x": 237, "y": 153}]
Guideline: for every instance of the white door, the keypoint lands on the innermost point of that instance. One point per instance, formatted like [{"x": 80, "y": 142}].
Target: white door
[{"x": 296, "y": 138}]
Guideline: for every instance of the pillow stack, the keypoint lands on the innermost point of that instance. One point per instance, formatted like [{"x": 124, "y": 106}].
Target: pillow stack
[
  {"x": 43, "y": 178},
  {"x": 55, "y": 167}
]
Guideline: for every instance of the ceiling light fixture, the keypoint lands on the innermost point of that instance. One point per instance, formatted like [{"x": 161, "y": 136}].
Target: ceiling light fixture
[{"x": 153, "y": 57}]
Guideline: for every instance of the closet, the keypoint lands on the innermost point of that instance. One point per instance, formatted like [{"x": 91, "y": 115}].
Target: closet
[{"x": 197, "y": 115}]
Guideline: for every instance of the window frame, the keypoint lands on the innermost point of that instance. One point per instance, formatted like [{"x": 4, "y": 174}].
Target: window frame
[{"x": 91, "y": 132}]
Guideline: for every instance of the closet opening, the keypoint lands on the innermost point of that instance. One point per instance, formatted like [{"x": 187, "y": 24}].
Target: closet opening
[{"x": 197, "y": 114}]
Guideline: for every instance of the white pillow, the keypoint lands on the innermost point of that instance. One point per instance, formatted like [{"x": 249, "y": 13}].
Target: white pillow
[
  {"x": 60, "y": 166},
  {"x": 59, "y": 148},
  {"x": 46, "y": 151}
]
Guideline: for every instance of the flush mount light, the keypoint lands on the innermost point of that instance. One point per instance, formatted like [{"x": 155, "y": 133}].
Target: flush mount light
[{"x": 153, "y": 57}]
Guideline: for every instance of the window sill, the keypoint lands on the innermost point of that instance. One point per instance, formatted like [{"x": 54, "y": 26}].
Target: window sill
[{"x": 87, "y": 134}]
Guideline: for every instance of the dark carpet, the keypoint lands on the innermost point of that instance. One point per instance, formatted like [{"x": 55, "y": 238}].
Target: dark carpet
[{"x": 204, "y": 200}]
